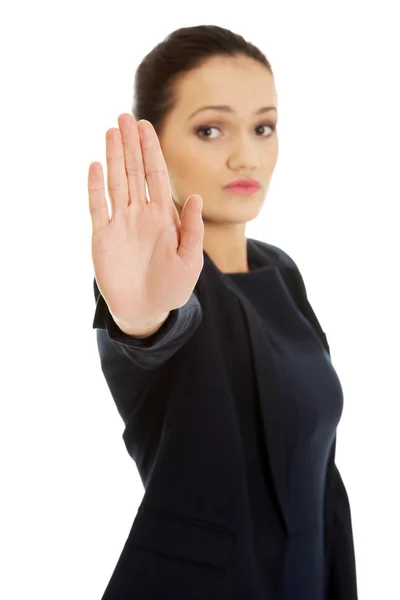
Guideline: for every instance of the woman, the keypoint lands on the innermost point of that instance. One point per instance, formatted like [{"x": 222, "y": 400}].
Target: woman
[{"x": 212, "y": 353}]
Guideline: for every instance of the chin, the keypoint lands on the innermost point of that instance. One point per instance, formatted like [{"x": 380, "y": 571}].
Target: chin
[
  {"x": 232, "y": 217},
  {"x": 246, "y": 207}
]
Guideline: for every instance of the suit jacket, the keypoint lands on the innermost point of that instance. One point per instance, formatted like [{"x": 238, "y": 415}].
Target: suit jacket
[{"x": 174, "y": 397}]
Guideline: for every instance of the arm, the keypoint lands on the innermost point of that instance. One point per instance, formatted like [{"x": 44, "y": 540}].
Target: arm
[
  {"x": 340, "y": 553},
  {"x": 141, "y": 330},
  {"x": 129, "y": 364}
]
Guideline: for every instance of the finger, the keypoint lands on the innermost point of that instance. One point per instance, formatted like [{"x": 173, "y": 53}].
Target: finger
[
  {"x": 155, "y": 167},
  {"x": 133, "y": 158},
  {"x": 192, "y": 229},
  {"x": 97, "y": 200},
  {"x": 117, "y": 182}
]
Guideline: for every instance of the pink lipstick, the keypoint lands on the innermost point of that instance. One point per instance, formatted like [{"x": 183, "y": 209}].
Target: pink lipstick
[{"x": 243, "y": 186}]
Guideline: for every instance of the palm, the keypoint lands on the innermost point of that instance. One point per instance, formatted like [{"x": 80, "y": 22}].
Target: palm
[{"x": 146, "y": 261}]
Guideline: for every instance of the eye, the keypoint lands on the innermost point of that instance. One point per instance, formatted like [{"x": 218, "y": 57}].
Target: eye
[
  {"x": 206, "y": 128},
  {"x": 271, "y": 126}
]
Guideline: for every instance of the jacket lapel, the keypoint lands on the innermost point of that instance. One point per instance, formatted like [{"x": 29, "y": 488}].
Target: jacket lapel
[
  {"x": 273, "y": 409},
  {"x": 271, "y": 399}
]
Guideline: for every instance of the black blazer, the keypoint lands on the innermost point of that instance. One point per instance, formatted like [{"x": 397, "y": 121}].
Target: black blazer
[{"x": 185, "y": 542}]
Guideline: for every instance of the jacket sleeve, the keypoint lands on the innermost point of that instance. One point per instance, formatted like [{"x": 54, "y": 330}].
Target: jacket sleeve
[
  {"x": 130, "y": 365},
  {"x": 339, "y": 543}
]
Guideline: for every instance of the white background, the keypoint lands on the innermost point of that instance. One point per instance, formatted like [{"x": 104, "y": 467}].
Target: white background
[{"x": 69, "y": 489}]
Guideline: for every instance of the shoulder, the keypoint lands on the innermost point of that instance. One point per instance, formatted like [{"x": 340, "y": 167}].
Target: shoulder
[{"x": 272, "y": 253}]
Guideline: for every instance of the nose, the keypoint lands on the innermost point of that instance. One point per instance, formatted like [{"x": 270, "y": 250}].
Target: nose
[{"x": 244, "y": 154}]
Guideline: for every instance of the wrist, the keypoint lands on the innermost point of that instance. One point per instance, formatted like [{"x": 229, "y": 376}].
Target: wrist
[{"x": 143, "y": 327}]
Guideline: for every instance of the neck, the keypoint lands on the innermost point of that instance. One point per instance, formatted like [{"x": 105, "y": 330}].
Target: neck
[{"x": 227, "y": 247}]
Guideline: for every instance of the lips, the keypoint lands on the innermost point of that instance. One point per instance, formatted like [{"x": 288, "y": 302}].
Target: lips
[{"x": 244, "y": 184}]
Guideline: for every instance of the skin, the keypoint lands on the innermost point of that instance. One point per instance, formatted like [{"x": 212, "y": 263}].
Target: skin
[{"x": 239, "y": 144}]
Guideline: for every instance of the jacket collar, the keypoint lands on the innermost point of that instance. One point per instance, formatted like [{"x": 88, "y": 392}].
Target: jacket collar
[
  {"x": 273, "y": 407},
  {"x": 267, "y": 384}
]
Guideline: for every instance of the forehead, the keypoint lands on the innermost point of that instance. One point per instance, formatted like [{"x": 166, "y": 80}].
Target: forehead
[{"x": 241, "y": 82}]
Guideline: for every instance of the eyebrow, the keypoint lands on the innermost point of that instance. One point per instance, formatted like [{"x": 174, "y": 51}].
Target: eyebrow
[{"x": 229, "y": 109}]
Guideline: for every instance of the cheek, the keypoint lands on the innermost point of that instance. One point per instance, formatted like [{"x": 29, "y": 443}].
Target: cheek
[{"x": 197, "y": 168}]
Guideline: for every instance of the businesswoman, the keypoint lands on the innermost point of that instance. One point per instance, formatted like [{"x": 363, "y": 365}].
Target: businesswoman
[{"x": 211, "y": 350}]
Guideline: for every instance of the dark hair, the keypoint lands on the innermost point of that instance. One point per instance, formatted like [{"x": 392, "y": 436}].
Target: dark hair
[{"x": 181, "y": 51}]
